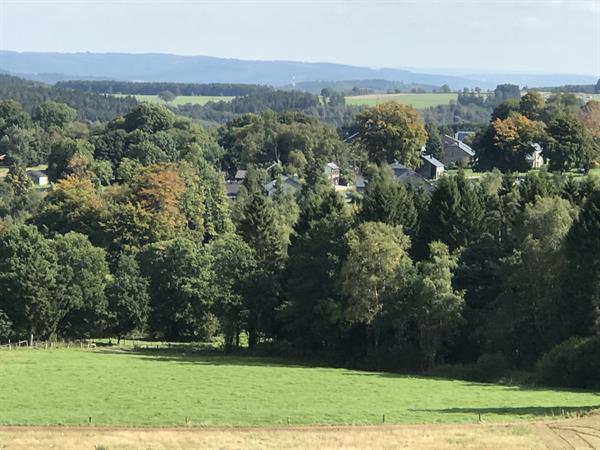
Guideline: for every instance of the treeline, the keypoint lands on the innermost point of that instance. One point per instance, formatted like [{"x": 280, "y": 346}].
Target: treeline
[
  {"x": 477, "y": 278},
  {"x": 575, "y": 88},
  {"x": 155, "y": 88},
  {"x": 331, "y": 109},
  {"x": 89, "y": 106}
]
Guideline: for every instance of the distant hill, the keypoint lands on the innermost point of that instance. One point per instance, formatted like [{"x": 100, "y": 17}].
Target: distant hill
[{"x": 52, "y": 67}]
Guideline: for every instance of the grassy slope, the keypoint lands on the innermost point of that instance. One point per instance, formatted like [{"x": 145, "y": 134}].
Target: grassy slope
[
  {"x": 183, "y": 99},
  {"x": 163, "y": 388},
  {"x": 419, "y": 101}
]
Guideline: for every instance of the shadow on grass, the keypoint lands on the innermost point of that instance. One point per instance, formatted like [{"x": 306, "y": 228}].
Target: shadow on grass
[
  {"x": 515, "y": 411},
  {"x": 216, "y": 357}
]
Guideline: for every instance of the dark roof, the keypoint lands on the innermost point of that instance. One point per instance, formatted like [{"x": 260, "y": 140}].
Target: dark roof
[
  {"x": 37, "y": 173},
  {"x": 232, "y": 189},
  {"x": 449, "y": 140},
  {"x": 431, "y": 160}
]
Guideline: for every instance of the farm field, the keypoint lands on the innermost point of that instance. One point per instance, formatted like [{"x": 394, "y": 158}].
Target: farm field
[
  {"x": 117, "y": 387},
  {"x": 182, "y": 99},
  {"x": 418, "y": 101}
]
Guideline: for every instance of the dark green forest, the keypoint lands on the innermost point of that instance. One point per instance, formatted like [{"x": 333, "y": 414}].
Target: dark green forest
[{"x": 482, "y": 277}]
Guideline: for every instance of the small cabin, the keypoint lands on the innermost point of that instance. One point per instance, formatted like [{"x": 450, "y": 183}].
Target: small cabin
[{"x": 38, "y": 177}]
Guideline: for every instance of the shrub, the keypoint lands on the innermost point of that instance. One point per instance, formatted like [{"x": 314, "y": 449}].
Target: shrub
[{"x": 575, "y": 362}]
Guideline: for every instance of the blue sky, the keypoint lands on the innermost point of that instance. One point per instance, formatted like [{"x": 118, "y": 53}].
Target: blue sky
[{"x": 545, "y": 36}]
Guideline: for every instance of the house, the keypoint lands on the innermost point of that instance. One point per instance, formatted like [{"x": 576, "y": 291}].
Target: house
[
  {"x": 535, "y": 158},
  {"x": 232, "y": 190},
  {"x": 398, "y": 169},
  {"x": 39, "y": 177},
  {"x": 332, "y": 172},
  {"x": 456, "y": 153},
  {"x": 291, "y": 185},
  {"x": 415, "y": 180},
  {"x": 430, "y": 168},
  {"x": 461, "y": 135},
  {"x": 240, "y": 176},
  {"x": 360, "y": 183}
]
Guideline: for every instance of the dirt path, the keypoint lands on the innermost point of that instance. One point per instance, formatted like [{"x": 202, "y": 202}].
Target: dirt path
[{"x": 582, "y": 433}]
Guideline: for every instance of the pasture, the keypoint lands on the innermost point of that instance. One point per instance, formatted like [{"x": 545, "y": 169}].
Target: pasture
[
  {"x": 182, "y": 99},
  {"x": 122, "y": 387},
  {"x": 419, "y": 101}
]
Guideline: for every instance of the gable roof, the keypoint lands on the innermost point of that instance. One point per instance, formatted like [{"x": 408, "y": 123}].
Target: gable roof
[
  {"x": 449, "y": 140},
  {"x": 293, "y": 182},
  {"x": 240, "y": 174},
  {"x": 431, "y": 160},
  {"x": 332, "y": 165}
]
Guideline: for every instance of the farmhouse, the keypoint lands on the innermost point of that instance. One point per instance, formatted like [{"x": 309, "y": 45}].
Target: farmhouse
[
  {"x": 430, "y": 167},
  {"x": 535, "y": 158},
  {"x": 290, "y": 185},
  {"x": 232, "y": 190},
  {"x": 39, "y": 177},
  {"x": 332, "y": 172},
  {"x": 240, "y": 176},
  {"x": 456, "y": 153}
]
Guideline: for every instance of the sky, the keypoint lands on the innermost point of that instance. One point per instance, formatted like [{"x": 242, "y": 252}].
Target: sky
[{"x": 534, "y": 36}]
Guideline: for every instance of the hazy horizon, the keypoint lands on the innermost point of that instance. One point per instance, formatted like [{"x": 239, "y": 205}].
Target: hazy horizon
[{"x": 508, "y": 36}]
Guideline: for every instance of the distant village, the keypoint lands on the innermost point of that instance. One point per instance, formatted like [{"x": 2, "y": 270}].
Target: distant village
[{"x": 457, "y": 154}]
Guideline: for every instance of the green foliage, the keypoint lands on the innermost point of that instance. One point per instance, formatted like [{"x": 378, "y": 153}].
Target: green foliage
[
  {"x": 28, "y": 270},
  {"x": 181, "y": 289},
  {"x": 128, "y": 298},
  {"x": 390, "y": 132},
  {"x": 81, "y": 281},
  {"x": 148, "y": 117},
  {"x": 575, "y": 362},
  {"x": 569, "y": 144},
  {"x": 434, "y": 142},
  {"x": 376, "y": 251},
  {"x": 53, "y": 115},
  {"x": 388, "y": 201}
]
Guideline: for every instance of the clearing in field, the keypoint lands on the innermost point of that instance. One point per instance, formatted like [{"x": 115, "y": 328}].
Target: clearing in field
[
  {"x": 182, "y": 99},
  {"x": 171, "y": 388},
  {"x": 419, "y": 101}
]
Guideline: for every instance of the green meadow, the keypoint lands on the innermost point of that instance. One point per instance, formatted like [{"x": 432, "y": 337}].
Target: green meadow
[
  {"x": 117, "y": 386},
  {"x": 419, "y": 101}
]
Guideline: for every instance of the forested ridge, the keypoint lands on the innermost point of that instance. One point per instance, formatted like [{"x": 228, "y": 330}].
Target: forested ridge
[{"x": 480, "y": 277}]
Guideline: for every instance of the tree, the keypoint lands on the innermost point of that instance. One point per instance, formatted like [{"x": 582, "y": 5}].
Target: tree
[
  {"x": 387, "y": 200},
  {"x": 531, "y": 277},
  {"x": 67, "y": 151},
  {"x": 181, "y": 289},
  {"x": 436, "y": 307},
  {"x": 505, "y": 143},
  {"x": 392, "y": 131},
  {"x": 569, "y": 144},
  {"x": 149, "y": 117},
  {"x": 261, "y": 232},
  {"x": 582, "y": 284},
  {"x": 234, "y": 266},
  {"x": 455, "y": 214},
  {"x": 376, "y": 251},
  {"x": 589, "y": 116},
  {"x": 313, "y": 312},
  {"x": 167, "y": 96},
  {"x": 28, "y": 270},
  {"x": 505, "y": 92},
  {"x": 532, "y": 105},
  {"x": 51, "y": 114},
  {"x": 81, "y": 282},
  {"x": 12, "y": 115},
  {"x": 128, "y": 299},
  {"x": 434, "y": 142},
  {"x": 25, "y": 146},
  {"x": 73, "y": 205}
]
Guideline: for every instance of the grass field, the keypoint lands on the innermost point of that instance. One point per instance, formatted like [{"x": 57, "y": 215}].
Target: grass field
[
  {"x": 418, "y": 101},
  {"x": 183, "y": 99},
  {"x": 169, "y": 388}
]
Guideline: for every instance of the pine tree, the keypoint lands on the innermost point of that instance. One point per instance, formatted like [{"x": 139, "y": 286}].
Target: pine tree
[
  {"x": 434, "y": 142},
  {"x": 388, "y": 201}
]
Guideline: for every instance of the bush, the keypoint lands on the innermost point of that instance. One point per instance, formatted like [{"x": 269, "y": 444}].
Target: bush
[
  {"x": 5, "y": 327},
  {"x": 574, "y": 363}
]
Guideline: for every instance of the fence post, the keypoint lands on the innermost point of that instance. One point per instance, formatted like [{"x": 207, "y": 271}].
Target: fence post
[{"x": 9, "y": 347}]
